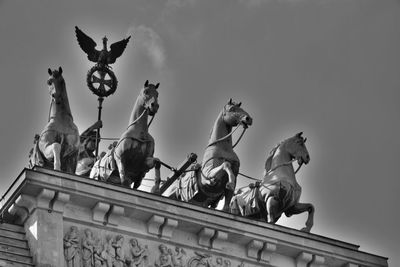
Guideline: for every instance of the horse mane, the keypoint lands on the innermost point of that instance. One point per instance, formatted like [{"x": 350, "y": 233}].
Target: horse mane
[{"x": 268, "y": 162}]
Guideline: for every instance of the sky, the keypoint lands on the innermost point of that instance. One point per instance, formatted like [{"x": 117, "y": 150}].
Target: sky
[{"x": 329, "y": 68}]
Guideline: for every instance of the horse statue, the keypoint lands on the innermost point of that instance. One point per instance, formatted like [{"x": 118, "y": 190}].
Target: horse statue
[
  {"x": 131, "y": 158},
  {"x": 279, "y": 191},
  {"x": 206, "y": 184},
  {"x": 58, "y": 144}
]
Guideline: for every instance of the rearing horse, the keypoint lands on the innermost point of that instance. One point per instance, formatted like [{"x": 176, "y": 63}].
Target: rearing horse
[
  {"x": 216, "y": 177},
  {"x": 279, "y": 191},
  {"x": 132, "y": 157},
  {"x": 58, "y": 143}
]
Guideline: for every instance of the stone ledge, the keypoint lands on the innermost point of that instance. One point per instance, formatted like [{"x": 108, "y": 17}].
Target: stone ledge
[{"x": 256, "y": 238}]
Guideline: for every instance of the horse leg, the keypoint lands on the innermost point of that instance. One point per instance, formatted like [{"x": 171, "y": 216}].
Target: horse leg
[
  {"x": 94, "y": 172},
  {"x": 71, "y": 162},
  {"x": 55, "y": 150},
  {"x": 228, "y": 198},
  {"x": 150, "y": 163},
  {"x": 226, "y": 166},
  {"x": 124, "y": 181},
  {"x": 136, "y": 185},
  {"x": 157, "y": 179},
  {"x": 300, "y": 208},
  {"x": 272, "y": 205}
]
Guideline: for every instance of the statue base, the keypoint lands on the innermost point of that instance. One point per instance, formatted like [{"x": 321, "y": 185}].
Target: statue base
[{"x": 74, "y": 221}]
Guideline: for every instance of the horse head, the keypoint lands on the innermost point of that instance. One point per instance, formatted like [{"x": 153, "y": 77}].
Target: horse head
[
  {"x": 149, "y": 96},
  {"x": 234, "y": 115},
  {"x": 297, "y": 149},
  {"x": 56, "y": 84}
]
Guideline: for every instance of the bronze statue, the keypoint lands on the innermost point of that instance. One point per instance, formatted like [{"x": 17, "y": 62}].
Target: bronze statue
[
  {"x": 100, "y": 79},
  {"x": 102, "y": 59},
  {"x": 33, "y": 152},
  {"x": 86, "y": 156},
  {"x": 216, "y": 177},
  {"x": 279, "y": 191},
  {"x": 104, "y": 56},
  {"x": 58, "y": 144},
  {"x": 132, "y": 156}
]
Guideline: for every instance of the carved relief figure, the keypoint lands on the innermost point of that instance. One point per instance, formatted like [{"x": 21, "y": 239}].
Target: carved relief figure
[
  {"x": 138, "y": 254},
  {"x": 88, "y": 248},
  {"x": 200, "y": 260},
  {"x": 72, "y": 248},
  {"x": 206, "y": 260},
  {"x": 279, "y": 191},
  {"x": 132, "y": 157},
  {"x": 108, "y": 253},
  {"x": 227, "y": 263},
  {"x": 208, "y": 183},
  {"x": 164, "y": 259},
  {"x": 218, "y": 262},
  {"x": 98, "y": 260},
  {"x": 119, "y": 252},
  {"x": 178, "y": 259},
  {"x": 58, "y": 145}
]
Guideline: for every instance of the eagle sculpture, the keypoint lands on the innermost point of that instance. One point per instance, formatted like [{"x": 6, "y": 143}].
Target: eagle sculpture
[{"x": 103, "y": 57}]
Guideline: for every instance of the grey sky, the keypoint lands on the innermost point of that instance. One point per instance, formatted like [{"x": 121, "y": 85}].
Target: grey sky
[{"x": 328, "y": 68}]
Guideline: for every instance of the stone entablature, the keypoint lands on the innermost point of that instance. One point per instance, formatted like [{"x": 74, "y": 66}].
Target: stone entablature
[{"x": 162, "y": 231}]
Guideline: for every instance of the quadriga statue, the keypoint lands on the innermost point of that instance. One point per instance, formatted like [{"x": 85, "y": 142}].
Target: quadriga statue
[
  {"x": 58, "y": 144},
  {"x": 215, "y": 178},
  {"x": 278, "y": 192},
  {"x": 132, "y": 157}
]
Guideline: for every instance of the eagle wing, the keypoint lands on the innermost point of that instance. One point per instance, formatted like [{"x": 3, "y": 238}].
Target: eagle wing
[
  {"x": 87, "y": 44},
  {"x": 116, "y": 50}
]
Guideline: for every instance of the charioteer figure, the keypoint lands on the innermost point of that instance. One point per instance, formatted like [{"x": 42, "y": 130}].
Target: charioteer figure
[{"x": 86, "y": 156}]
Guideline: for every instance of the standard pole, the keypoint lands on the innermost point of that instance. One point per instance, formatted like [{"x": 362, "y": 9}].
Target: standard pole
[{"x": 100, "y": 107}]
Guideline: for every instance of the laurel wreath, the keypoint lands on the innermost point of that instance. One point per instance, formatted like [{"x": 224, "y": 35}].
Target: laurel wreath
[{"x": 101, "y": 93}]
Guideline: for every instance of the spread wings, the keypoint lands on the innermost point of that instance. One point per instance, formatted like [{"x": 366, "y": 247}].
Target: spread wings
[
  {"x": 89, "y": 47},
  {"x": 87, "y": 44},
  {"x": 116, "y": 50}
]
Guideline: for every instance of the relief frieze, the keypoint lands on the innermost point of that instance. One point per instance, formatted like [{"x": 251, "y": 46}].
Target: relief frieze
[{"x": 88, "y": 247}]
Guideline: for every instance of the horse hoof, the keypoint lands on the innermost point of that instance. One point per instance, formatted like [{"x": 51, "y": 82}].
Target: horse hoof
[
  {"x": 305, "y": 229},
  {"x": 230, "y": 186}
]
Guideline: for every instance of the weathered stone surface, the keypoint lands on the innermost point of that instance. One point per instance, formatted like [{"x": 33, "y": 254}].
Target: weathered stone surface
[{"x": 151, "y": 230}]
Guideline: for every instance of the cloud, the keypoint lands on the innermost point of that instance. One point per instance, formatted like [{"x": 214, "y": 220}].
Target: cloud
[{"x": 147, "y": 39}]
